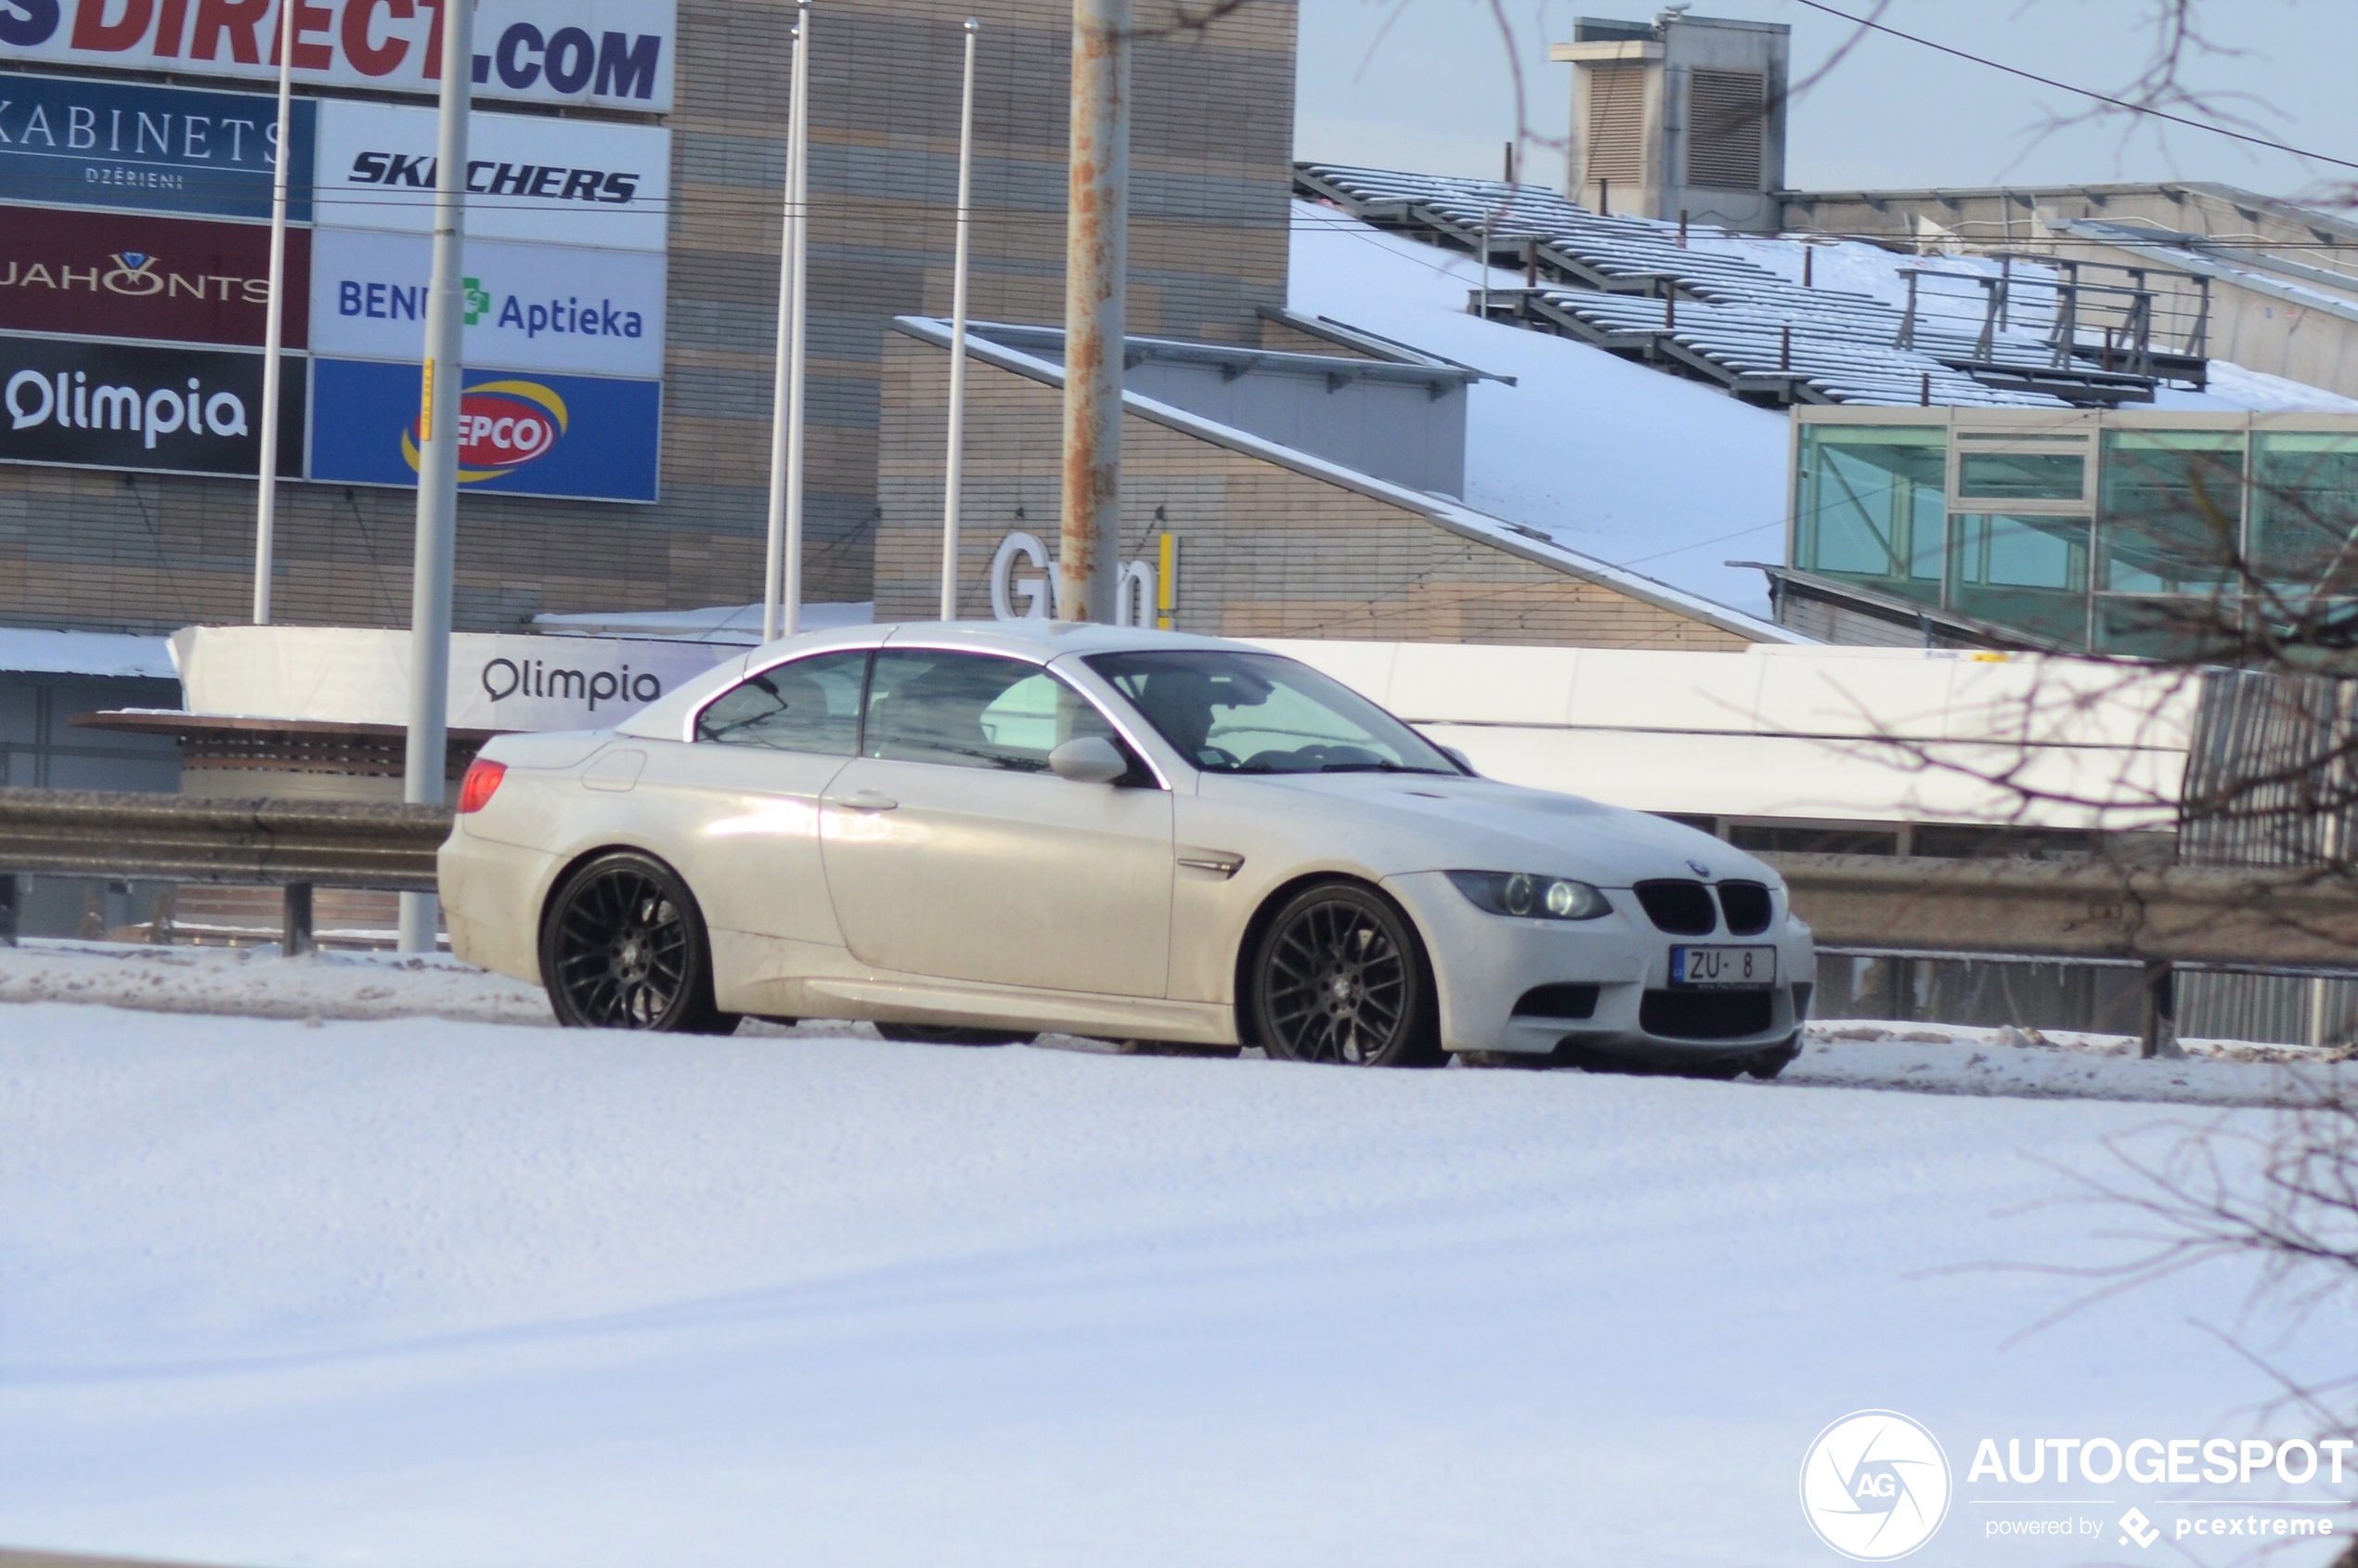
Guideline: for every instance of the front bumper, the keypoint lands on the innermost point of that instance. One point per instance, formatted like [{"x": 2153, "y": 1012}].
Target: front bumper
[{"x": 1484, "y": 964}]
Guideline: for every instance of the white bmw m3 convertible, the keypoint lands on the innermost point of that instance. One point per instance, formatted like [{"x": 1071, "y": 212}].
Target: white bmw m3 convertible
[{"x": 978, "y": 831}]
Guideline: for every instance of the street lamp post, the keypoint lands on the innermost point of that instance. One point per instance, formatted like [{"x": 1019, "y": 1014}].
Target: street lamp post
[
  {"x": 266, "y": 518},
  {"x": 428, "y": 752}
]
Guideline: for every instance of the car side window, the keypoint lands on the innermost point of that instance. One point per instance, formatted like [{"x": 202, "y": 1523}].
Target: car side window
[
  {"x": 973, "y": 710},
  {"x": 810, "y": 705}
]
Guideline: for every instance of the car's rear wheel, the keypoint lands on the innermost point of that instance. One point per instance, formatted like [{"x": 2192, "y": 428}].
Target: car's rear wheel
[
  {"x": 949, "y": 1034},
  {"x": 1337, "y": 976},
  {"x": 622, "y": 946}
]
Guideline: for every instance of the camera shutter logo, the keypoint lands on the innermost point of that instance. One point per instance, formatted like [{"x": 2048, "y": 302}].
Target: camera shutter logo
[{"x": 1875, "y": 1486}]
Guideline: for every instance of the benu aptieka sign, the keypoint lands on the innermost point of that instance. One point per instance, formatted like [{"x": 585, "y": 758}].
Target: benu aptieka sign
[{"x": 616, "y": 54}]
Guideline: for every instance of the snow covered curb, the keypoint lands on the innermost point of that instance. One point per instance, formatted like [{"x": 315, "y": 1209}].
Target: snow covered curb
[
  {"x": 1923, "y": 1058},
  {"x": 1948, "y": 1059}
]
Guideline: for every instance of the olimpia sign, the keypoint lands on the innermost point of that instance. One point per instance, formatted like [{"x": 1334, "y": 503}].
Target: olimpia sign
[{"x": 1146, "y": 595}]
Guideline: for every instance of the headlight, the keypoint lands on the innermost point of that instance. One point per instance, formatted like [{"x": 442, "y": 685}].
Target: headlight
[{"x": 1527, "y": 897}]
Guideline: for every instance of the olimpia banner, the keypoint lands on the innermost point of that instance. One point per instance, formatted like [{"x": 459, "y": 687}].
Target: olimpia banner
[
  {"x": 529, "y": 307},
  {"x": 498, "y": 681},
  {"x": 137, "y": 406},
  {"x": 616, "y": 54}
]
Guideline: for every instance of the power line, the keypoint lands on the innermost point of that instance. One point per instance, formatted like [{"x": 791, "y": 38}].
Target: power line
[{"x": 2084, "y": 92}]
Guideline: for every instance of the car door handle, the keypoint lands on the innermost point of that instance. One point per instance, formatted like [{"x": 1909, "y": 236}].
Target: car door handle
[{"x": 865, "y": 801}]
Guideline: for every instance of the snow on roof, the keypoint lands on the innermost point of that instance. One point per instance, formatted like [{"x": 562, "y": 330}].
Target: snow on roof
[
  {"x": 1629, "y": 468},
  {"x": 1504, "y": 532},
  {"x": 736, "y": 626},
  {"x": 24, "y": 650}
]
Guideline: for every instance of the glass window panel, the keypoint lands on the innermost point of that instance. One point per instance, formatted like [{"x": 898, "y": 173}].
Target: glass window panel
[
  {"x": 1870, "y": 507},
  {"x": 1262, "y": 713},
  {"x": 2181, "y": 627},
  {"x": 2169, "y": 510},
  {"x": 2027, "y": 572},
  {"x": 2305, "y": 512},
  {"x": 810, "y": 705},
  {"x": 2022, "y": 476},
  {"x": 973, "y": 710}
]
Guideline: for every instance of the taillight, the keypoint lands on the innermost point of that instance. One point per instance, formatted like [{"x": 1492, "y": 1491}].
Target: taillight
[{"x": 481, "y": 783}]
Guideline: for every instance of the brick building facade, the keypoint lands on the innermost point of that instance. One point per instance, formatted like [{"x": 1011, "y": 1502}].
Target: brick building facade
[{"x": 1210, "y": 142}]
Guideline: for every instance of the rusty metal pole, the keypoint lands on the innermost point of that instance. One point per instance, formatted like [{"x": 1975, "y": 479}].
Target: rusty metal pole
[{"x": 1096, "y": 259}]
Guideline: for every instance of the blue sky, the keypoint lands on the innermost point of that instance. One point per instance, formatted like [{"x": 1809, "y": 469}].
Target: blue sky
[{"x": 1434, "y": 90}]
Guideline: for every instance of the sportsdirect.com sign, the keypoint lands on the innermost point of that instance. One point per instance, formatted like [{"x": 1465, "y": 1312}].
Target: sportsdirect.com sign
[
  {"x": 101, "y": 405},
  {"x": 616, "y": 53},
  {"x": 527, "y": 307}
]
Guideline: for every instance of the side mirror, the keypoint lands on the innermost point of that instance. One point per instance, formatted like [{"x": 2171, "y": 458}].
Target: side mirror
[
  {"x": 1090, "y": 760},
  {"x": 1459, "y": 757}
]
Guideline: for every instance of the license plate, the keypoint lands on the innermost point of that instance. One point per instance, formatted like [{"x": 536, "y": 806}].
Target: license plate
[{"x": 1723, "y": 968}]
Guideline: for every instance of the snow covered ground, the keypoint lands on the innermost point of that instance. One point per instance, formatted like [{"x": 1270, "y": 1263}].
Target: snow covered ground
[
  {"x": 1915, "y": 1058},
  {"x": 1636, "y": 467},
  {"x": 421, "y": 1292}
]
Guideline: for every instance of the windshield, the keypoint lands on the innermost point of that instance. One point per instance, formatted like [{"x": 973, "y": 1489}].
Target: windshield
[{"x": 1259, "y": 713}]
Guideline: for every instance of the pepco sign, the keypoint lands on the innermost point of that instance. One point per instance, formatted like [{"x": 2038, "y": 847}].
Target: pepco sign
[
  {"x": 587, "y": 437},
  {"x": 503, "y": 426},
  {"x": 615, "y": 53}
]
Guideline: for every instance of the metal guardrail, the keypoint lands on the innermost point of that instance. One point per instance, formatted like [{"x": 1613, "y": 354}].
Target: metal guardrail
[
  {"x": 2257, "y": 916},
  {"x": 2263, "y": 918},
  {"x": 292, "y": 844}
]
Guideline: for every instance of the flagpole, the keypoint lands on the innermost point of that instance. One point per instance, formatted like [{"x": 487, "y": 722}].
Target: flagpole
[
  {"x": 774, "y": 564},
  {"x": 954, "y": 479},
  {"x": 790, "y": 620},
  {"x": 265, "y": 519}
]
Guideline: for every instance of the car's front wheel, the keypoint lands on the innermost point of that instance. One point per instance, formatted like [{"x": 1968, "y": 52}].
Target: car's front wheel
[
  {"x": 1337, "y": 976},
  {"x": 622, "y": 946}
]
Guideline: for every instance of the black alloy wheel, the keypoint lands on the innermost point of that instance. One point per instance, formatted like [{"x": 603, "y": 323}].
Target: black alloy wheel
[
  {"x": 623, "y": 946},
  {"x": 1337, "y": 976},
  {"x": 952, "y": 1035}
]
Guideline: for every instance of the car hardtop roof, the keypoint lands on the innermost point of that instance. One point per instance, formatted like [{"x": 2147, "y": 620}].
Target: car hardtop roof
[{"x": 1040, "y": 641}]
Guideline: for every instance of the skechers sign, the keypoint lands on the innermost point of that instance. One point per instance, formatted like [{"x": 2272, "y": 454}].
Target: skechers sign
[
  {"x": 65, "y": 141},
  {"x": 587, "y": 437},
  {"x": 615, "y": 53},
  {"x": 527, "y": 307},
  {"x": 554, "y": 182},
  {"x": 178, "y": 410}
]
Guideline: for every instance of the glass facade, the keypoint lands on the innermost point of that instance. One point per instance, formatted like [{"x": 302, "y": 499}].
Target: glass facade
[
  {"x": 2127, "y": 533},
  {"x": 1875, "y": 497}
]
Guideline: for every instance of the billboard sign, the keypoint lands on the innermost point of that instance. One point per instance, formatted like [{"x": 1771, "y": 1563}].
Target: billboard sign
[
  {"x": 135, "y": 405},
  {"x": 589, "y": 437},
  {"x": 616, "y": 54},
  {"x": 551, "y": 182},
  {"x": 133, "y": 275},
  {"x": 69, "y": 141},
  {"x": 529, "y": 307},
  {"x": 347, "y": 675}
]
